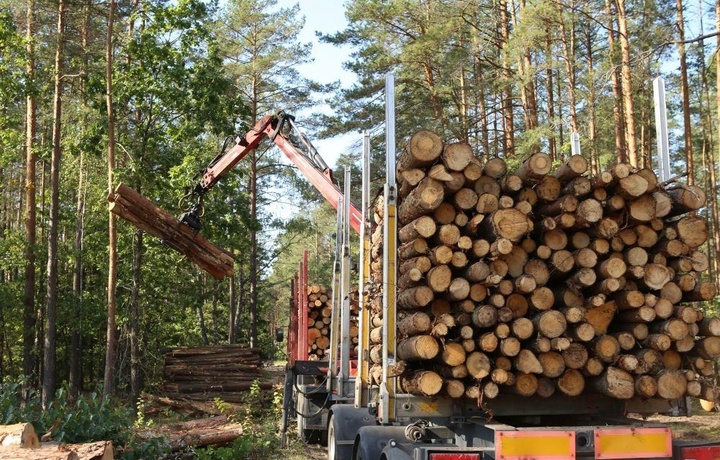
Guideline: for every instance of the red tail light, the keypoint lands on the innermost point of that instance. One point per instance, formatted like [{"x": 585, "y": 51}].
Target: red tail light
[{"x": 700, "y": 453}]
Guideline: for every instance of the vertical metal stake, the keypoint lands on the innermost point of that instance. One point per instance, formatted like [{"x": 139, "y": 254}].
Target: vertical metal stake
[
  {"x": 661, "y": 128},
  {"x": 575, "y": 143},
  {"x": 364, "y": 320},
  {"x": 387, "y": 388}
]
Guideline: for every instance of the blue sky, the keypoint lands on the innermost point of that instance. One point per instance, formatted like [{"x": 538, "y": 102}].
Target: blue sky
[{"x": 327, "y": 17}]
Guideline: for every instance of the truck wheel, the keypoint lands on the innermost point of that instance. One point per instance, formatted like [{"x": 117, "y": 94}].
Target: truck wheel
[{"x": 335, "y": 449}]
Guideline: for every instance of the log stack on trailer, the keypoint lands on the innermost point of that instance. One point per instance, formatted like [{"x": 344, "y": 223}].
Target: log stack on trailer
[
  {"x": 319, "y": 318},
  {"x": 319, "y": 301},
  {"x": 540, "y": 281}
]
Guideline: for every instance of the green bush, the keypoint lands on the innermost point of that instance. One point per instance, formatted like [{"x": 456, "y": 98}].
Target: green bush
[{"x": 90, "y": 418}]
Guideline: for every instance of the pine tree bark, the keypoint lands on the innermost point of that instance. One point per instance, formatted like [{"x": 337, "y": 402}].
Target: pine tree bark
[
  {"x": 685, "y": 93},
  {"x": 627, "y": 85},
  {"x": 111, "y": 334},
  {"x": 49, "y": 348},
  {"x": 29, "y": 322}
]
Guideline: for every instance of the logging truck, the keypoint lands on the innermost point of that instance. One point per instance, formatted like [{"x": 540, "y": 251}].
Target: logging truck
[{"x": 527, "y": 314}]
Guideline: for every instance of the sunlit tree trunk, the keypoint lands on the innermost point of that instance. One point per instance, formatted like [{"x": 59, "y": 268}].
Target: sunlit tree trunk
[
  {"x": 627, "y": 94},
  {"x": 552, "y": 144},
  {"x": 708, "y": 153},
  {"x": 567, "y": 42},
  {"x": 592, "y": 130},
  {"x": 111, "y": 334},
  {"x": 74, "y": 382},
  {"x": 507, "y": 95},
  {"x": 74, "y": 375},
  {"x": 30, "y": 204},
  {"x": 684, "y": 89},
  {"x": 618, "y": 116},
  {"x": 48, "y": 380},
  {"x": 231, "y": 302},
  {"x": 135, "y": 355},
  {"x": 480, "y": 85},
  {"x": 714, "y": 157},
  {"x": 253, "y": 268}
]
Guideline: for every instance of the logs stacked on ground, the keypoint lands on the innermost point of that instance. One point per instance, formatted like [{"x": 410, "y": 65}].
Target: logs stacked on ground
[
  {"x": 204, "y": 373},
  {"x": 540, "y": 281},
  {"x": 320, "y": 317}
]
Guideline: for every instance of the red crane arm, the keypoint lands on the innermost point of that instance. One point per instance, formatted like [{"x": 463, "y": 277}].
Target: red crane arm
[{"x": 271, "y": 126}]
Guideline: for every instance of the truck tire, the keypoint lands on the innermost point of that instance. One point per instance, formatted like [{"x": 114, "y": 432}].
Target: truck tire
[
  {"x": 343, "y": 424},
  {"x": 335, "y": 449}
]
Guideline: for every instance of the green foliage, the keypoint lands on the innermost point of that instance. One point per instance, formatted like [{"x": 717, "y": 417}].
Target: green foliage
[
  {"x": 13, "y": 86},
  {"x": 260, "y": 422},
  {"x": 90, "y": 418}
]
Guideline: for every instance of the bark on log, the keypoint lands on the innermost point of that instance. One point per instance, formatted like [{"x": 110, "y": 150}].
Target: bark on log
[
  {"x": 616, "y": 383},
  {"x": 534, "y": 168},
  {"x": 418, "y": 347},
  {"x": 424, "y": 199},
  {"x": 423, "y": 148},
  {"x": 147, "y": 216},
  {"x": 457, "y": 156},
  {"x": 421, "y": 383}
]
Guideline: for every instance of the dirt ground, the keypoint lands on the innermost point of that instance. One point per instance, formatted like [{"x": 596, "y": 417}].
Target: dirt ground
[{"x": 701, "y": 426}]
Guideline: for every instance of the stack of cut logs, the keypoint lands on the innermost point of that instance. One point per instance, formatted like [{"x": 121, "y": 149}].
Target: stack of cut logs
[
  {"x": 319, "y": 318},
  {"x": 220, "y": 371},
  {"x": 538, "y": 281}
]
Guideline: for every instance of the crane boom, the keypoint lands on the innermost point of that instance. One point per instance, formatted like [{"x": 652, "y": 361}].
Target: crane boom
[{"x": 303, "y": 155}]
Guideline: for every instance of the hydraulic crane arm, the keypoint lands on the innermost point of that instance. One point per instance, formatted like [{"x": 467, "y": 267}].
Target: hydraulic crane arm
[{"x": 278, "y": 128}]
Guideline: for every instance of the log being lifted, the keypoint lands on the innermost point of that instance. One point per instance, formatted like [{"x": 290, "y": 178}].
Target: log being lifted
[{"x": 150, "y": 218}]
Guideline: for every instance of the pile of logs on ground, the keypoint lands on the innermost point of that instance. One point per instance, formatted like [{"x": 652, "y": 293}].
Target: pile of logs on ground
[
  {"x": 212, "y": 431},
  {"x": 538, "y": 281},
  {"x": 205, "y": 373},
  {"x": 320, "y": 317},
  {"x": 20, "y": 442}
]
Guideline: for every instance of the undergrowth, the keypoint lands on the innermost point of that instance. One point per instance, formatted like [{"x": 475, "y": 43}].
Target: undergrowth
[
  {"x": 259, "y": 416},
  {"x": 94, "y": 418},
  {"x": 90, "y": 418}
]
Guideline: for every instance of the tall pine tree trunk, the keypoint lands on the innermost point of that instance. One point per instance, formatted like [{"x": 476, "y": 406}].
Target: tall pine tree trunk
[
  {"x": 231, "y": 303},
  {"x": 48, "y": 380},
  {"x": 714, "y": 157},
  {"x": 592, "y": 130},
  {"x": 135, "y": 355},
  {"x": 627, "y": 94},
  {"x": 111, "y": 334},
  {"x": 74, "y": 382},
  {"x": 253, "y": 263},
  {"x": 74, "y": 377},
  {"x": 507, "y": 95},
  {"x": 552, "y": 144},
  {"x": 567, "y": 42},
  {"x": 30, "y": 211},
  {"x": 618, "y": 115},
  {"x": 253, "y": 249},
  {"x": 685, "y": 92}
]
